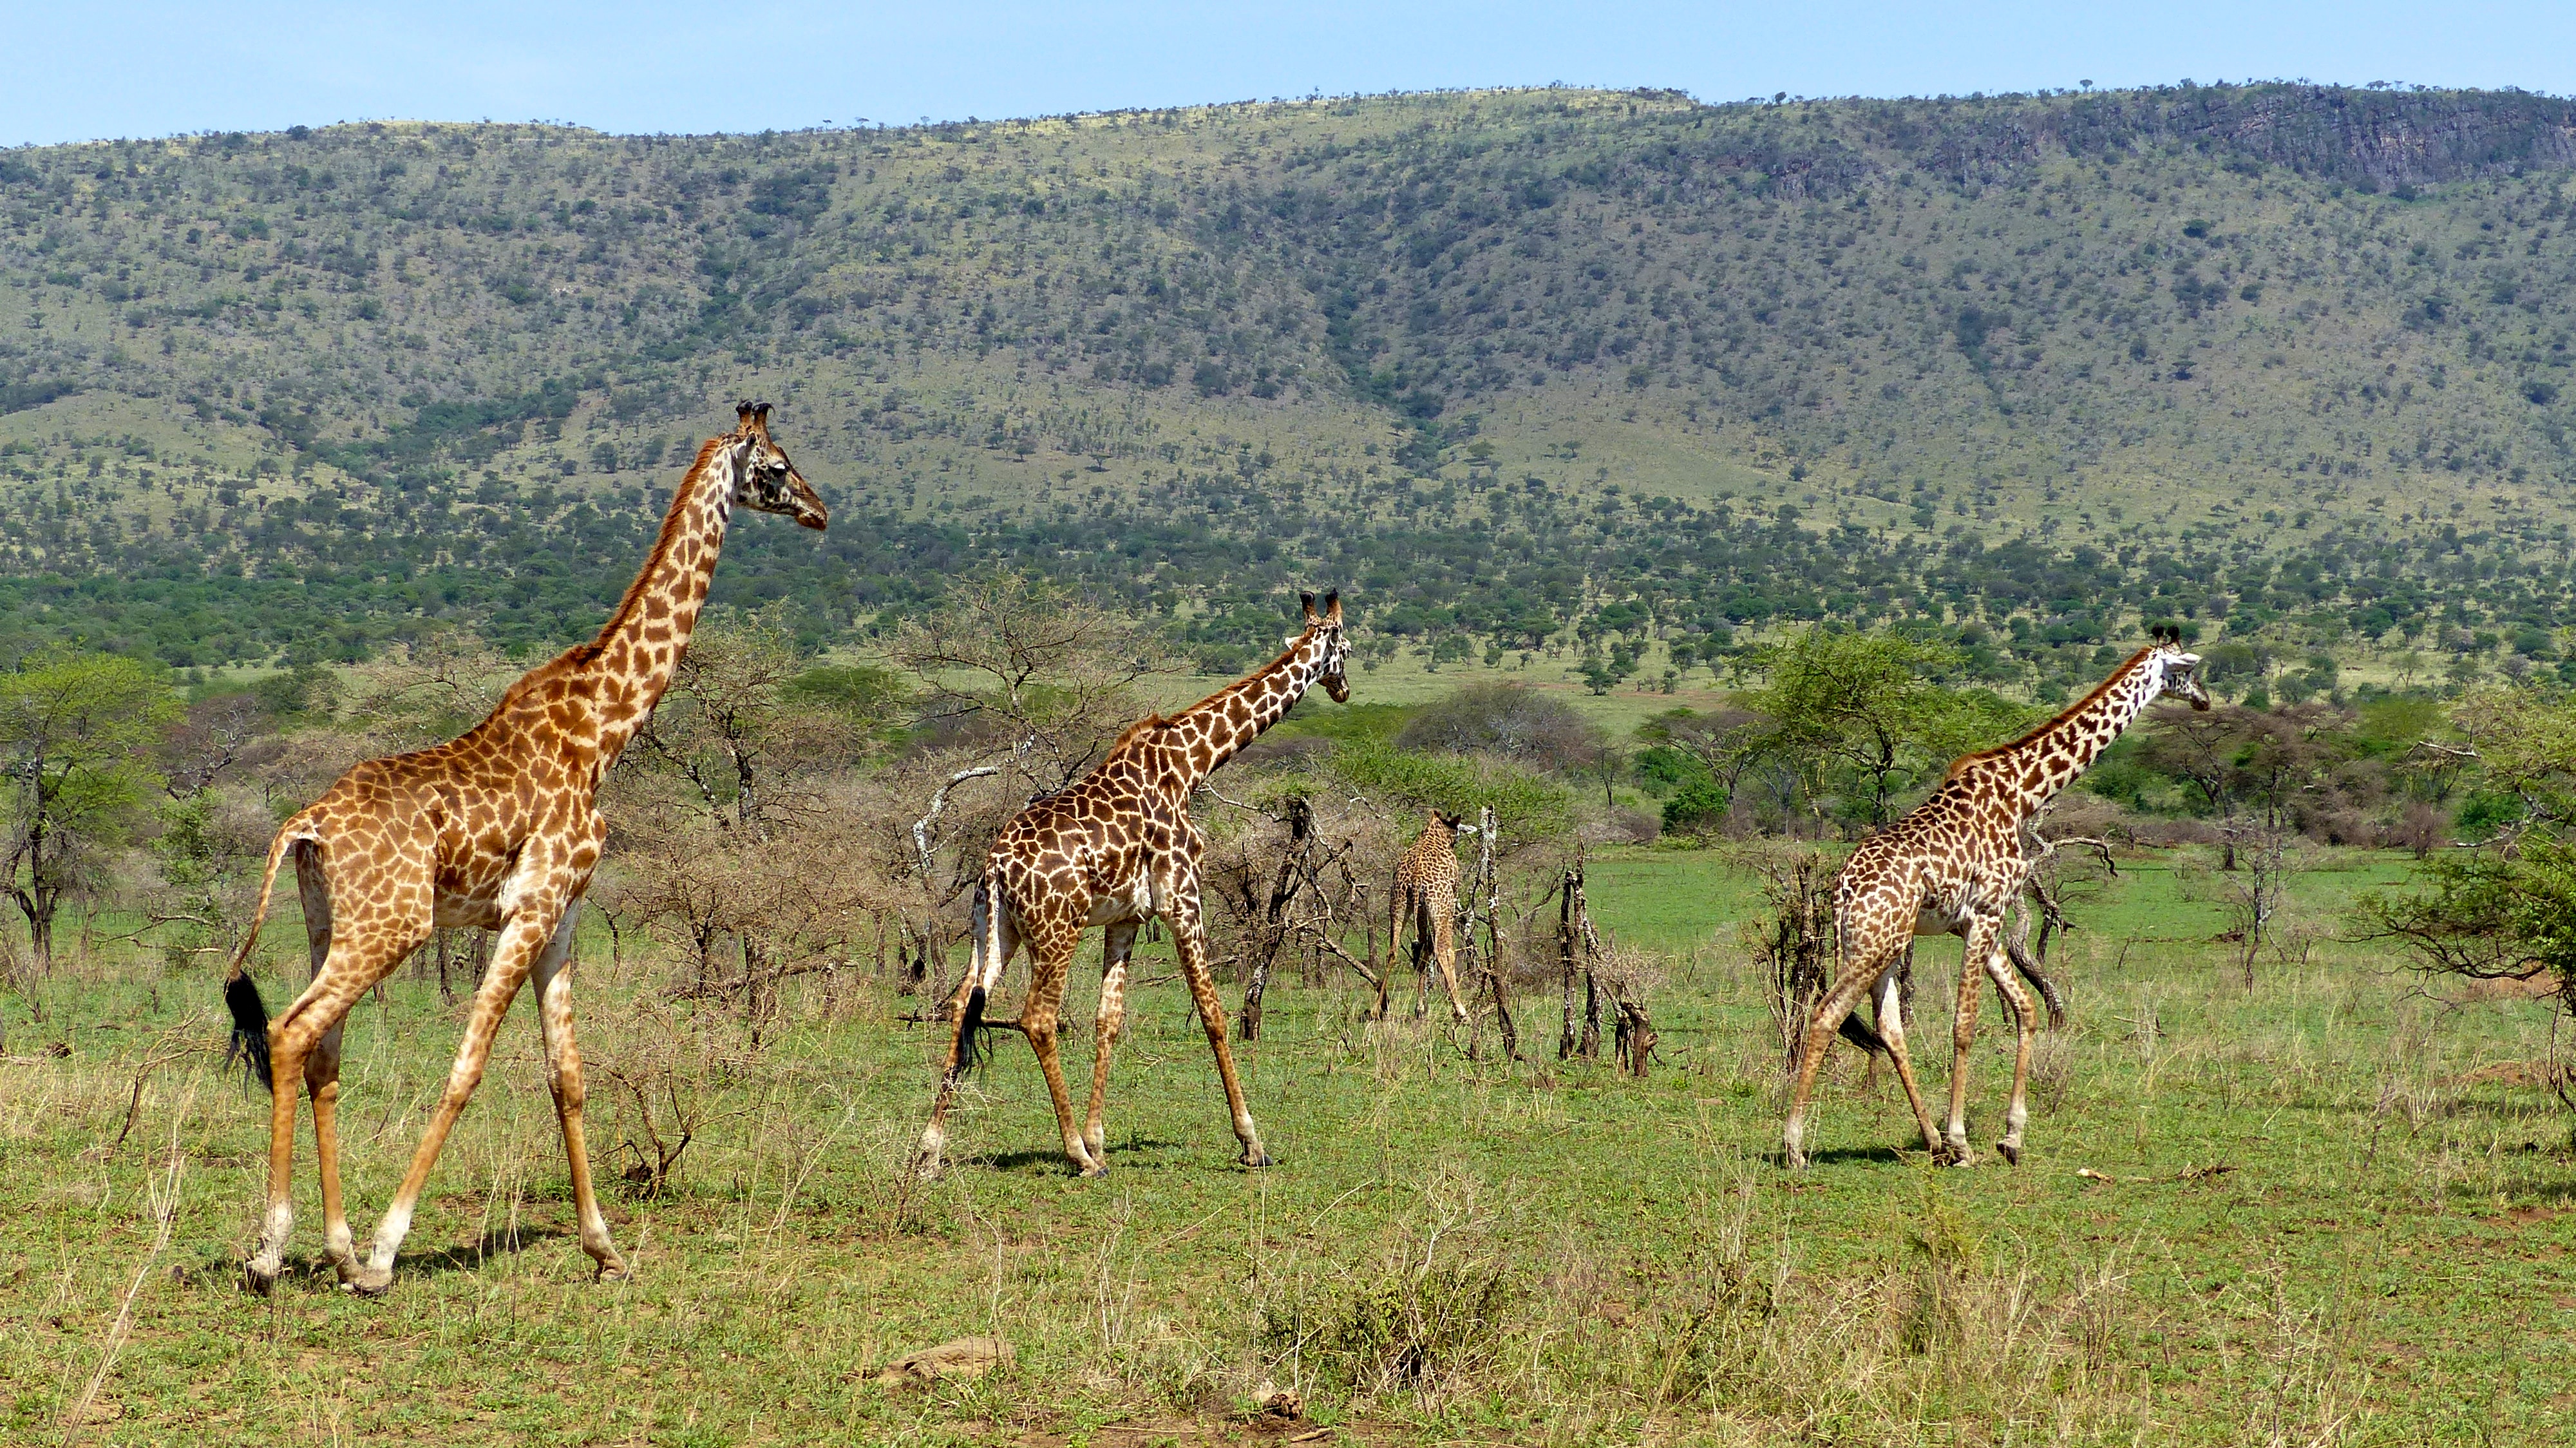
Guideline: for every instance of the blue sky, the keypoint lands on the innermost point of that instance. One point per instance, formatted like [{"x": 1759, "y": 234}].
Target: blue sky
[{"x": 138, "y": 68}]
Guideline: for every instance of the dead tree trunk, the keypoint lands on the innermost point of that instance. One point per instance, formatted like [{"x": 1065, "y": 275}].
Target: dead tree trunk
[
  {"x": 1274, "y": 931},
  {"x": 1486, "y": 899},
  {"x": 1635, "y": 1039},
  {"x": 1569, "y": 893}
]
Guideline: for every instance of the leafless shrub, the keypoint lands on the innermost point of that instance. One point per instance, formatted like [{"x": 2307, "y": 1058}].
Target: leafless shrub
[
  {"x": 665, "y": 1069},
  {"x": 1015, "y": 667},
  {"x": 1793, "y": 940}
]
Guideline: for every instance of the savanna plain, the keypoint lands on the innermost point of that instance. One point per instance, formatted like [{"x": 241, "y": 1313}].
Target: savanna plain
[{"x": 2328, "y": 1206}]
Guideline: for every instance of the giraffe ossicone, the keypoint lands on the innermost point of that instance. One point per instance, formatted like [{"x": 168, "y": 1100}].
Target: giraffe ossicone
[
  {"x": 500, "y": 829},
  {"x": 1953, "y": 866},
  {"x": 1115, "y": 849}
]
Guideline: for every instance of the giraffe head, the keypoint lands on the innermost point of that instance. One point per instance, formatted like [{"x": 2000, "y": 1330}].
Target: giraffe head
[
  {"x": 2176, "y": 673},
  {"x": 763, "y": 479},
  {"x": 1326, "y": 629}
]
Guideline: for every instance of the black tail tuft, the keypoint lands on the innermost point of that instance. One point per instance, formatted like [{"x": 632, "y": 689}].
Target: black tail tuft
[
  {"x": 1860, "y": 1035},
  {"x": 250, "y": 1029},
  {"x": 972, "y": 1052}
]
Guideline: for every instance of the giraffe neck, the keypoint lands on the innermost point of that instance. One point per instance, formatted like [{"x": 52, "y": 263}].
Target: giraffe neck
[
  {"x": 1213, "y": 730},
  {"x": 640, "y": 646},
  {"x": 2037, "y": 766}
]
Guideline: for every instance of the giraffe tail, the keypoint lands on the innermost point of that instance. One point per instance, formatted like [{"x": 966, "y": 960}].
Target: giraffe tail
[
  {"x": 249, "y": 1044},
  {"x": 1857, "y": 1031},
  {"x": 972, "y": 1051}
]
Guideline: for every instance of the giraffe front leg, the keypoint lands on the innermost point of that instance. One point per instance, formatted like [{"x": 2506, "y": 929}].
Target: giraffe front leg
[
  {"x": 525, "y": 934},
  {"x": 1182, "y": 914},
  {"x": 552, "y": 977},
  {"x": 1117, "y": 943},
  {"x": 2025, "y": 1019}
]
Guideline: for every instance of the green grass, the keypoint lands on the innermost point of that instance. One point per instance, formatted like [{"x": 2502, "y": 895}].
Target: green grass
[{"x": 1589, "y": 1259}]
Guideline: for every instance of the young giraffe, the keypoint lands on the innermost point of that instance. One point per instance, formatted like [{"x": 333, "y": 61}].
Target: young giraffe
[
  {"x": 497, "y": 829},
  {"x": 1426, "y": 892},
  {"x": 1116, "y": 849},
  {"x": 1952, "y": 867}
]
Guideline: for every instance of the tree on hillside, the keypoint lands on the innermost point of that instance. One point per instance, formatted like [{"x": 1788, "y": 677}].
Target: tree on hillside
[{"x": 74, "y": 734}]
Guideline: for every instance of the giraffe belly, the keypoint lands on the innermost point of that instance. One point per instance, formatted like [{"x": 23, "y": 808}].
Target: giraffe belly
[
  {"x": 1129, "y": 899},
  {"x": 1934, "y": 919}
]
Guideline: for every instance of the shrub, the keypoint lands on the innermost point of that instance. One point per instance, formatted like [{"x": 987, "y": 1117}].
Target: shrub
[
  {"x": 1698, "y": 809},
  {"x": 1508, "y": 721}
]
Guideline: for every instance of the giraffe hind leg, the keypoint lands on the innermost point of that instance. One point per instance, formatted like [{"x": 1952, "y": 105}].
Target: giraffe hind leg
[
  {"x": 995, "y": 939},
  {"x": 1891, "y": 1028},
  {"x": 1051, "y": 961},
  {"x": 322, "y": 1066},
  {"x": 1831, "y": 1010},
  {"x": 1118, "y": 942},
  {"x": 361, "y": 951},
  {"x": 523, "y": 936}
]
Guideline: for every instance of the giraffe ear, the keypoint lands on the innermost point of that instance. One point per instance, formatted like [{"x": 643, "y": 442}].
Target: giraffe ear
[
  {"x": 1333, "y": 606},
  {"x": 1306, "y": 601}
]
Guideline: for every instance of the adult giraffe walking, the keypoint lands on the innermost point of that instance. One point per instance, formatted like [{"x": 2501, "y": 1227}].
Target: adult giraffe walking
[
  {"x": 1117, "y": 849},
  {"x": 1951, "y": 867},
  {"x": 499, "y": 829}
]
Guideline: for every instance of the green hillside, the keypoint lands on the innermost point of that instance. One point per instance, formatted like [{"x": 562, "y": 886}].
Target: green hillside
[{"x": 2283, "y": 362}]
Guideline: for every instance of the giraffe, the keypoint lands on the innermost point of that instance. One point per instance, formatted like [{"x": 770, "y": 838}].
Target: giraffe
[
  {"x": 1953, "y": 866},
  {"x": 498, "y": 828},
  {"x": 1116, "y": 849},
  {"x": 1426, "y": 892}
]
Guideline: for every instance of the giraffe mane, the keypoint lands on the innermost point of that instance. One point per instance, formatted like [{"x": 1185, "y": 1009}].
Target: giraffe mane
[
  {"x": 1966, "y": 761},
  {"x": 1265, "y": 671},
  {"x": 653, "y": 561},
  {"x": 1134, "y": 732}
]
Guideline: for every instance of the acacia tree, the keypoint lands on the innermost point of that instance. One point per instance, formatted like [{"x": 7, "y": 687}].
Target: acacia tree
[
  {"x": 1024, "y": 669},
  {"x": 1863, "y": 702},
  {"x": 74, "y": 734},
  {"x": 738, "y": 833},
  {"x": 2506, "y": 910}
]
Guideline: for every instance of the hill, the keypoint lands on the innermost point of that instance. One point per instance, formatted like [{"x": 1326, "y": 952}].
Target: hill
[{"x": 2282, "y": 362}]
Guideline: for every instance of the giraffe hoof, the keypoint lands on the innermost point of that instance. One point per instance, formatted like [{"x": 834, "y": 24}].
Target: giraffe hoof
[
  {"x": 1793, "y": 1160},
  {"x": 2009, "y": 1152},
  {"x": 369, "y": 1281},
  {"x": 612, "y": 1271},
  {"x": 260, "y": 1277},
  {"x": 1256, "y": 1159}
]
